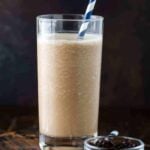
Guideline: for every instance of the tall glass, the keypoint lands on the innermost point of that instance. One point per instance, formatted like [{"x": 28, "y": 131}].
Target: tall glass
[{"x": 68, "y": 79}]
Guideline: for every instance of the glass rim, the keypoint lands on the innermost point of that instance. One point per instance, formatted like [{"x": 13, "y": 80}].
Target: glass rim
[
  {"x": 141, "y": 143},
  {"x": 47, "y": 17}
]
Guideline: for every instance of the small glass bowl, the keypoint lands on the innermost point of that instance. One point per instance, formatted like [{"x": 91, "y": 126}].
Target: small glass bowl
[{"x": 88, "y": 146}]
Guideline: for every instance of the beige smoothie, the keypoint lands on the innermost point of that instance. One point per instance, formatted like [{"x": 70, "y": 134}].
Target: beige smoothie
[{"x": 68, "y": 84}]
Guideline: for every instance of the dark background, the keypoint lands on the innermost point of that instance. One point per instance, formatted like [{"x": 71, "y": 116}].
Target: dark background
[
  {"x": 126, "y": 50},
  {"x": 125, "y": 86}
]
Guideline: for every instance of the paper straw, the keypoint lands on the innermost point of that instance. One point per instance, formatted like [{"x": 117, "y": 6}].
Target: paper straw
[{"x": 87, "y": 16}]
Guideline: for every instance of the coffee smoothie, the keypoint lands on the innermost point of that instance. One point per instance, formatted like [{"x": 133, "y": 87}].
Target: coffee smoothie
[{"x": 68, "y": 84}]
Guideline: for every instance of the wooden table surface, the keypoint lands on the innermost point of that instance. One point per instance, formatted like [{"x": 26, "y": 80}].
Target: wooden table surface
[{"x": 19, "y": 126}]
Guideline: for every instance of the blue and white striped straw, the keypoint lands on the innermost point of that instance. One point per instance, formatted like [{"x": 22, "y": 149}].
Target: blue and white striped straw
[{"x": 87, "y": 16}]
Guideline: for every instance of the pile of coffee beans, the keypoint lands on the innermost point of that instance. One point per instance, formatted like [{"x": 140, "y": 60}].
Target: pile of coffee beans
[{"x": 114, "y": 143}]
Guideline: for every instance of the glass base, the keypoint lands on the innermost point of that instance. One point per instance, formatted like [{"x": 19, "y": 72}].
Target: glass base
[{"x": 63, "y": 143}]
